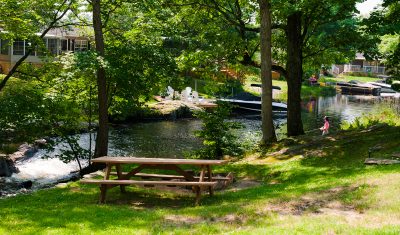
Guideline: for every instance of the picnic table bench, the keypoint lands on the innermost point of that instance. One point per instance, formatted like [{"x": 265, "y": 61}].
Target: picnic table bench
[{"x": 205, "y": 179}]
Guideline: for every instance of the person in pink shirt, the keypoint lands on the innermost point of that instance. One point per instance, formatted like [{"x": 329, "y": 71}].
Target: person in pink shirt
[
  {"x": 325, "y": 127},
  {"x": 313, "y": 80}
]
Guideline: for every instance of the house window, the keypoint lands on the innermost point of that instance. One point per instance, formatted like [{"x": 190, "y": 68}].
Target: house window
[
  {"x": 81, "y": 45},
  {"x": 4, "y": 47},
  {"x": 52, "y": 45},
  {"x": 27, "y": 47},
  {"x": 64, "y": 44},
  {"x": 18, "y": 47}
]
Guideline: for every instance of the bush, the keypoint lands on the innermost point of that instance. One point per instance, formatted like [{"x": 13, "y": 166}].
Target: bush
[
  {"x": 362, "y": 74},
  {"x": 396, "y": 86},
  {"x": 216, "y": 133},
  {"x": 383, "y": 115},
  {"x": 22, "y": 112}
]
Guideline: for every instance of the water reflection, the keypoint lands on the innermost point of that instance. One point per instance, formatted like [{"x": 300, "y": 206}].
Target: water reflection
[
  {"x": 156, "y": 139},
  {"x": 339, "y": 108}
]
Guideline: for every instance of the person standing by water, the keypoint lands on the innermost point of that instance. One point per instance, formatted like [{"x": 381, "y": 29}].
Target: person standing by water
[{"x": 325, "y": 127}]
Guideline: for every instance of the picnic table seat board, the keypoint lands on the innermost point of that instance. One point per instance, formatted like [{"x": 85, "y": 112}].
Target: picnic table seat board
[
  {"x": 171, "y": 177},
  {"x": 205, "y": 179}
]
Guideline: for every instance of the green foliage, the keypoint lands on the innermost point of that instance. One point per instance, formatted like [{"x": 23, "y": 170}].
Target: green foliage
[
  {"x": 385, "y": 115},
  {"x": 216, "y": 133},
  {"x": 55, "y": 106},
  {"x": 361, "y": 74},
  {"x": 384, "y": 25},
  {"x": 139, "y": 66},
  {"x": 396, "y": 86},
  {"x": 23, "y": 112},
  {"x": 137, "y": 72},
  {"x": 317, "y": 91}
]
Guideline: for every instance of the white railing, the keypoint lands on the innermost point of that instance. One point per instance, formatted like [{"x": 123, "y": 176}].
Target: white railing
[
  {"x": 365, "y": 68},
  {"x": 335, "y": 70},
  {"x": 352, "y": 68}
]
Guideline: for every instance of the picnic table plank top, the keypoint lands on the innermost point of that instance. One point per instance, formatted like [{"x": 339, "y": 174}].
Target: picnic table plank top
[{"x": 165, "y": 161}]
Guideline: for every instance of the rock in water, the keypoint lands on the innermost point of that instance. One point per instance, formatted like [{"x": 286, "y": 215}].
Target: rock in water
[
  {"x": 6, "y": 166},
  {"x": 25, "y": 150},
  {"x": 26, "y": 184}
]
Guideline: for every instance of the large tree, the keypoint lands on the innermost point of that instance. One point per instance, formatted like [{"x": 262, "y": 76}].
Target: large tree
[
  {"x": 268, "y": 129},
  {"x": 102, "y": 133}
]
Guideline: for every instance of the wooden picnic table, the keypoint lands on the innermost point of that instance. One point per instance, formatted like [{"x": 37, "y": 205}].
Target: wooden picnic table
[{"x": 205, "y": 179}]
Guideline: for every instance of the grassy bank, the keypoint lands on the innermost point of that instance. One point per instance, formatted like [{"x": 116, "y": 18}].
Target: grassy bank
[
  {"x": 346, "y": 78},
  {"x": 281, "y": 95},
  {"x": 306, "y": 91},
  {"x": 308, "y": 185}
]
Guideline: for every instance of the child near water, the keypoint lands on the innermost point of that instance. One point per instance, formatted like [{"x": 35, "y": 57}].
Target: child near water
[{"x": 325, "y": 127}]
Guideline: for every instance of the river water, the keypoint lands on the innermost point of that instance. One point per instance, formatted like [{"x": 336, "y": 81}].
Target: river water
[{"x": 171, "y": 139}]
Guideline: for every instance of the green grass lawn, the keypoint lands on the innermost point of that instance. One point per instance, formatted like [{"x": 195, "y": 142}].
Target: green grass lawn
[
  {"x": 307, "y": 185},
  {"x": 346, "y": 78},
  {"x": 281, "y": 95}
]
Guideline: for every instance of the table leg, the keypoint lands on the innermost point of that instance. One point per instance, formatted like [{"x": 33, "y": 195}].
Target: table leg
[
  {"x": 210, "y": 188},
  {"x": 103, "y": 187},
  {"x": 134, "y": 172},
  {"x": 199, "y": 188},
  {"x": 178, "y": 170},
  {"x": 120, "y": 177}
]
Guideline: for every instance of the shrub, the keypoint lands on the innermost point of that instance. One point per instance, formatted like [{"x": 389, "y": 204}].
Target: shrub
[
  {"x": 396, "y": 86},
  {"x": 384, "y": 115},
  {"x": 216, "y": 133}
]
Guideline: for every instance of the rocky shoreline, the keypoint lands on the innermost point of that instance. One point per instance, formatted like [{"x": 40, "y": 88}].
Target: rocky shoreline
[
  {"x": 7, "y": 168},
  {"x": 7, "y": 162},
  {"x": 173, "y": 109}
]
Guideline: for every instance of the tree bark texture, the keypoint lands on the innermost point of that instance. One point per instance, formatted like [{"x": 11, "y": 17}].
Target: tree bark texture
[
  {"x": 295, "y": 72},
  {"x": 101, "y": 148},
  {"x": 268, "y": 130}
]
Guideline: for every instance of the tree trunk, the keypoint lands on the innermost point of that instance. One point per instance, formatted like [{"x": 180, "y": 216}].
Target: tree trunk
[
  {"x": 101, "y": 148},
  {"x": 295, "y": 72},
  {"x": 268, "y": 130}
]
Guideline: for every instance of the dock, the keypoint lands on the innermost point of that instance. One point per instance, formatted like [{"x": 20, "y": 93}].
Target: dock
[{"x": 358, "y": 89}]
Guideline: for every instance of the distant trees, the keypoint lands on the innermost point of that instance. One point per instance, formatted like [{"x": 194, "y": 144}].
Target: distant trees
[{"x": 383, "y": 26}]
